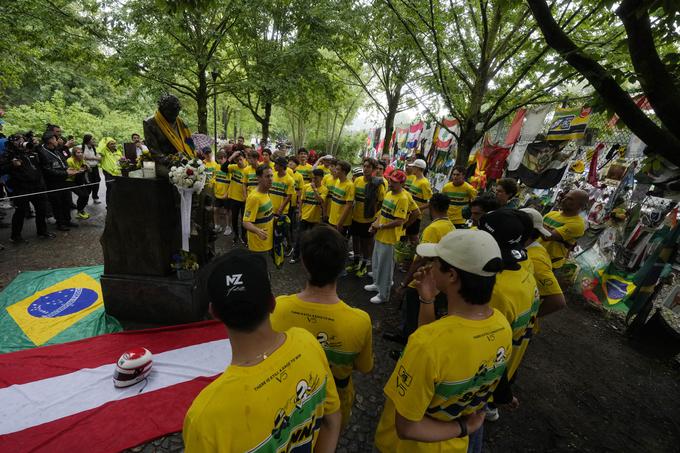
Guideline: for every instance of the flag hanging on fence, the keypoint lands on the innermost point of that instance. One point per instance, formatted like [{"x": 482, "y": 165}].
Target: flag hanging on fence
[
  {"x": 569, "y": 124},
  {"x": 445, "y": 135},
  {"x": 515, "y": 127},
  {"x": 62, "y": 398},
  {"x": 544, "y": 164},
  {"x": 54, "y": 306},
  {"x": 414, "y": 135}
]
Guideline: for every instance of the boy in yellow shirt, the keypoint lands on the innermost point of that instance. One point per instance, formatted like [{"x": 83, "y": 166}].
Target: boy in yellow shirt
[
  {"x": 452, "y": 365},
  {"x": 237, "y": 192},
  {"x": 460, "y": 195},
  {"x": 278, "y": 393},
  {"x": 282, "y": 189},
  {"x": 221, "y": 193},
  {"x": 304, "y": 168},
  {"x": 421, "y": 191},
  {"x": 341, "y": 195},
  {"x": 312, "y": 206},
  {"x": 258, "y": 216},
  {"x": 344, "y": 332},
  {"x": 388, "y": 228},
  {"x": 515, "y": 294},
  {"x": 249, "y": 173}
]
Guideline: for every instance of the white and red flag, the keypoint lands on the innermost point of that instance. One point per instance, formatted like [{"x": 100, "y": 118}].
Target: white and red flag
[{"x": 62, "y": 397}]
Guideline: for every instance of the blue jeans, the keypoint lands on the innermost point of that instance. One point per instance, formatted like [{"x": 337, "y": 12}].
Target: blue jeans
[{"x": 476, "y": 440}]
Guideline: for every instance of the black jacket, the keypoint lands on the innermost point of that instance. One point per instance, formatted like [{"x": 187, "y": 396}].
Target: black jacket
[
  {"x": 53, "y": 168},
  {"x": 27, "y": 177}
]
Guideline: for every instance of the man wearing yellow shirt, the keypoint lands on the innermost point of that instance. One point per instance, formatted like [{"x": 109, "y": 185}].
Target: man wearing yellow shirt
[
  {"x": 267, "y": 158},
  {"x": 258, "y": 216},
  {"x": 341, "y": 195},
  {"x": 566, "y": 227},
  {"x": 515, "y": 294},
  {"x": 283, "y": 188},
  {"x": 432, "y": 234},
  {"x": 389, "y": 228},
  {"x": 552, "y": 298},
  {"x": 250, "y": 178},
  {"x": 278, "y": 393},
  {"x": 237, "y": 192},
  {"x": 345, "y": 333},
  {"x": 369, "y": 193},
  {"x": 304, "y": 168},
  {"x": 452, "y": 365},
  {"x": 421, "y": 191},
  {"x": 312, "y": 205},
  {"x": 221, "y": 193},
  {"x": 460, "y": 195}
]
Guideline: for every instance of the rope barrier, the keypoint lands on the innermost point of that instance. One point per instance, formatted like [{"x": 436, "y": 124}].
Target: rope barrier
[{"x": 53, "y": 190}]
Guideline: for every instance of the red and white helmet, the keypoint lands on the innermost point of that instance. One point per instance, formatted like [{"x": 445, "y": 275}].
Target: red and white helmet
[{"x": 133, "y": 366}]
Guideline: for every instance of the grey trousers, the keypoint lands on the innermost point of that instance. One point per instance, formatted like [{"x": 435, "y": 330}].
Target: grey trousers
[{"x": 382, "y": 266}]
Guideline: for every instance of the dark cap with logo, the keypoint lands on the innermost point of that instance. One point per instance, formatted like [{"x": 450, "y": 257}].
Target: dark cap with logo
[
  {"x": 238, "y": 276},
  {"x": 509, "y": 228}
]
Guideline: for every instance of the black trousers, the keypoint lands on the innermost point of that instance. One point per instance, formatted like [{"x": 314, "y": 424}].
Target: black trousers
[
  {"x": 109, "y": 185},
  {"x": 22, "y": 207},
  {"x": 94, "y": 176},
  {"x": 412, "y": 309},
  {"x": 83, "y": 194},
  {"x": 237, "y": 218},
  {"x": 61, "y": 204},
  {"x": 304, "y": 226}
]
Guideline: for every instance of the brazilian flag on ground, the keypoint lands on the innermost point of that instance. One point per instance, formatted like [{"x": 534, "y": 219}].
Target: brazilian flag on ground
[{"x": 53, "y": 306}]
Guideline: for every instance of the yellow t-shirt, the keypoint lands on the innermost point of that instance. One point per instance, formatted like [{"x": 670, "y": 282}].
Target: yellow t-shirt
[
  {"x": 258, "y": 211},
  {"x": 344, "y": 332},
  {"x": 359, "y": 196},
  {"x": 250, "y": 178},
  {"x": 221, "y": 189},
  {"x": 408, "y": 182},
  {"x": 421, "y": 191},
  {"x": 448, "y": 370},
  {"x": 237, "y": 179},
  {"x": 281, "y": 188},
  {"x": 299, "y": 185},
  {"x": 459, "y": 197},
  {"x": 340, "y": 194},
  {"x": 326, "y": 170},
  {"x": 271, "y": 406},
  {"x": 543, "y": 273},
  {"x": 211, "y": 167},
  {"x": 306, "y": 171},
  {"x": 515, "y": 295},
  {"x": 570, "y": 228},
  {"x": 393, "y": 207},
  {"x": 433, "y": 233},
  {"x": 328, "y": 181},
  {"x": 311, "y": 207},
  {"x": 72, "y": 164}
]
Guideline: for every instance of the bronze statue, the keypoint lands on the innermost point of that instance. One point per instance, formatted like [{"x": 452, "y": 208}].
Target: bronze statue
[{"x": 165, "y": 133}]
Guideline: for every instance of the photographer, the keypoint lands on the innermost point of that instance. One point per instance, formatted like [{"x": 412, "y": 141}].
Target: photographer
[
  {"x": 22, "y": 164},
  {"x": 55, "y": 172}
]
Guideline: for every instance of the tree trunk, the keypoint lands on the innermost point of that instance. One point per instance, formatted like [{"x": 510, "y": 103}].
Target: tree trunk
[
  {"x": 657, "y": 138},
  {"x": 265, "y": 123},
  {"x": 202, "y": 103},
  {"x": 467, "y": 140},
  {"x": 392, "y": 107}
]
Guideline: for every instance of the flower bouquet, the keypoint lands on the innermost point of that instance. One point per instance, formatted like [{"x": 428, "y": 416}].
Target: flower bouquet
[
  {"x": 126, "y": 165},
  {"x": 189, "y": 178},
  {"x": 185, "y": 264}
]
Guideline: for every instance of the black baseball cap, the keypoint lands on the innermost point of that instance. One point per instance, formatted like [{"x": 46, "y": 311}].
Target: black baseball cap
[
  {"x": 510, "y": 228},
  {"x": 238, "y": 276},
  {"x": 281, "y": 161}
]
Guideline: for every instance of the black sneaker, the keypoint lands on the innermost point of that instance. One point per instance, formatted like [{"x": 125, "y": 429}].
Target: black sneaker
[
  {"x": 47, "y": 235},
  {"x": 18, "y": 240}
]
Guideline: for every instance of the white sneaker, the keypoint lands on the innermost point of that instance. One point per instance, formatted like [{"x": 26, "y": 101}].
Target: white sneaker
[
  {"x": 491, "y": 415},
  {"x": 376, "y": 299},
  {"x": 370, "y": 273},
  {"x": 51, "y": 220},
  {"x": 227, "y": 231},
  {"x": 371, "y": 287}
]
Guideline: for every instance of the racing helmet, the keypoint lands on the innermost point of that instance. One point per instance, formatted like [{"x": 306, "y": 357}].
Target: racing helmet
[{"x": 132, "y": 367}]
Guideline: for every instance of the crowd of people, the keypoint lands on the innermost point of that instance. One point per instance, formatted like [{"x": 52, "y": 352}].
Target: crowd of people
[
  {"x": 483, "y": 275},
  {"x": 42, "y": 174}
]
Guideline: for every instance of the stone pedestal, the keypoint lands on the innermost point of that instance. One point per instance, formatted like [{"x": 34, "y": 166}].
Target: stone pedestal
[
  {"x": 141, "y": 235},
  {"x": 154, "y": 300}
]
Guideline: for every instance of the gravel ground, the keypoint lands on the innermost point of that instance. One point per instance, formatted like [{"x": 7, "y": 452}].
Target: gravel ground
[{"x": 582, "y": 386}]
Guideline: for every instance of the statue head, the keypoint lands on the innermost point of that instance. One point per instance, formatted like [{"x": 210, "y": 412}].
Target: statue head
[{"x": 169, "y": 106}]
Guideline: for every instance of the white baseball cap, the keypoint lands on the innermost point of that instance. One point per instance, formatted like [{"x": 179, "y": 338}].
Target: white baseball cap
[
  {"x": 537, "y": 220},
  {"x": 420, "y": 163},
  {"x": 473, "y": 251}
]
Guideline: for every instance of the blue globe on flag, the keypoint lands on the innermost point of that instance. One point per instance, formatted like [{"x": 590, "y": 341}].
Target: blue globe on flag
[{"x": 62, "y": 303}]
